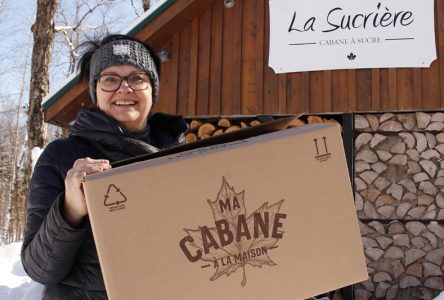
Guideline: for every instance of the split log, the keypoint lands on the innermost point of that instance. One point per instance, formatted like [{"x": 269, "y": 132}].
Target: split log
[
  {"x": 422, "y": 119},
  {"x": 361, "y": 165},
  {"x": 437, "y": 229},
  {"x": 402, "y": 209},
  {"x": 415, "y": 270},
  {"x": 191, "y": 137},
  {"x": 413, "y": 154},
  {"x": 413, "y": 255},
  {"x": 439, "y": 201},
  {"x": 244, "y": 125},
  {"x": 425, "y": 200},
  {"x": 205, "y": 129},
  {"x": 409, "y": 197},
  {"x": 255, "y": 123},
  {"x": 435, "y": 283},
  {"x": 386, "y": 211},
  {"x": 409, "y": 281},
  {"x": 367, "y": 155},
  {"x": 194, "y": 125},
  {"x": 360, "y": 184},
  {"x": 377, "y": 226},
  {"x": 395, "y": 227},
  {"x": 370, "y": 211},
  {"x": 232, "y": 128},
  {"x": 374, "y": 253},
  {"x": 392, "y": 292},
  {"x": 431, "y": 238},
  {"x": 384, "y": 241},
  {"x": 379, "y": 167},
  {"x": 415, "y": 227},
  {"x": 435, "y": 126},
  {"x": 384, "y": 200},
  {"x": 408, "y": 184},
  {"x": 314, "y": 120},
  {"x": 408, "y": 139},
  {"x": 398, "y": 268},
  {"x": 370, "y": 194},
  {"x": 429, "y": 154},
  {"x": 381, "y": 289},
  {"x": 369, "y": 242},
  {"x": 416, "y": 212},
  {"x": 401, "y": 240},
  {"x": 430, "y": 269},
  {"x": 398, "y": 159},
  {"x": 440, "y": 137},
  {"x": 407, "y": 120},
  {"x": 224, "y": 123},
  {"x": 361, "y": 122},
  {"x": 385, "y": 117},
  {"x": 395, "y": 190},
  {"x": 439, "y": 181},
  {"x": 382, "y": 276},
  {"x": 391, "y": 126},
  {"x": 435, "y": 256},
  {"x": 381, "y": 183},
  {"x": 296, "y": 123},
  {"x": 368, "y": 176},
  {"x": 373, "y": 122},
  {"x": 362, "y": 140},
  {"x": 394, "y": 252},
  {"x": 428, "y": 188},
  {"x": 437, "y": 117},
  {"x": 429, "y": 167},
  {"x": 414, "y": 167},
  {"x": 218, "y": 132},
  {"x": 377, "y": 139},
  {"x": 431, "y": 140},
  {"x": 440, "y": 148},
  {"x": 398, "y": 148},
  {"x": 421, "y": 141},
  {"x": 383, "y": 155},
  {"x": 359, "y": 202}
]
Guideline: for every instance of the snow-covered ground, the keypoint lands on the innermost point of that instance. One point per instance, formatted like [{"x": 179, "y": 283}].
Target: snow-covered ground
[{"x": 14, "y": 283}]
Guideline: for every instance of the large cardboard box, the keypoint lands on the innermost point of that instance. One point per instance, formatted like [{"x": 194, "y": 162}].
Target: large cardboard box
[{"x": 266, "y": 217}]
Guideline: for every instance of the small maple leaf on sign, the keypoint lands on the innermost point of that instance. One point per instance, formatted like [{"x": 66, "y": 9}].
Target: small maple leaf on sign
[{"x": 236, "y": 240}]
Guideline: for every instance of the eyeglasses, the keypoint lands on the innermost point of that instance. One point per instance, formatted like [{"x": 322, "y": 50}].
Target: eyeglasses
[{"x": 112, "y": 82}]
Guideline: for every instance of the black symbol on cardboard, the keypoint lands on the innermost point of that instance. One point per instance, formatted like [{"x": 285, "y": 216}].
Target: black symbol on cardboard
[
  {"x": 114, "y": 196},
  {"x": 351, "y": 56},
  {"x": 322, "y": 154}
]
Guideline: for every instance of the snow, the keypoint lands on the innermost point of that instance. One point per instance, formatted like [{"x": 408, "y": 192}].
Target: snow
[
  {"x": 14, "y": 283},
  {"x": 35, "y": 154}
]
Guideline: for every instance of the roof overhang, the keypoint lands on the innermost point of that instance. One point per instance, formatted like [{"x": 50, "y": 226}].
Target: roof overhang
[{"x": 157, "y": 26}]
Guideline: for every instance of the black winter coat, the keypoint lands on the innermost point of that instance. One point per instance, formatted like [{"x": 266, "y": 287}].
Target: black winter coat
[{"x": 62, "y": 258}]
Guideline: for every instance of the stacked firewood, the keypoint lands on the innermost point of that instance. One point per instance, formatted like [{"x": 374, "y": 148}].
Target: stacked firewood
[
  {"x": 202, "y": 129},
  {"x": 399, "y": 174},
  {"x": 399, "y": 177},
  {"x": 404, "y": 261}
]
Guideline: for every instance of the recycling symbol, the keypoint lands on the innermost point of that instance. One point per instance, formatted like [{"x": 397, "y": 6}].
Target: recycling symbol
[{"x": 114, "y": 196}]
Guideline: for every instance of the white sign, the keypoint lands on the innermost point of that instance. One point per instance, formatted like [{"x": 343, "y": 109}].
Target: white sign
[{"x": 308, "y": 35}]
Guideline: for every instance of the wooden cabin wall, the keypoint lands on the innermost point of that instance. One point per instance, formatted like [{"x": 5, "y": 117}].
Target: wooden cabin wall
[{"x": 218, "y": 64}]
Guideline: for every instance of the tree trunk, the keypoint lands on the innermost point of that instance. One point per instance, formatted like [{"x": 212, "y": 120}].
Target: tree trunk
[
  {"x": 43, "y": 32},
  {"x": 146, "y": 5}
]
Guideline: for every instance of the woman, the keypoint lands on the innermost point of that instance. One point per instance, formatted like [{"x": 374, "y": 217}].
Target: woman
[{"x": 58, "y": 251}]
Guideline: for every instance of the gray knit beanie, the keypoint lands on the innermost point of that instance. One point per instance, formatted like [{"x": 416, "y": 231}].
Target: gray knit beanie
[{"x": 122, "y": 52}]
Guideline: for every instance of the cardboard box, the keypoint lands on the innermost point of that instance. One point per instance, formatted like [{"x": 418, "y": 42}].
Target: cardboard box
[{"x": 266, "y": 217}]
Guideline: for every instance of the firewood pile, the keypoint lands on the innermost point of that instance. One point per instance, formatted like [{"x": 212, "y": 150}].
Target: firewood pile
[
  {"x": 404, "y": 260},
  {"x": 204, "y": 128},
  {"x": 399, "y": 180}
]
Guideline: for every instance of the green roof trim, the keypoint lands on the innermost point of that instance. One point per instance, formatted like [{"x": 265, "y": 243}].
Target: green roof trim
[
  {"x": 52, "y": 98},
  {"x": 150, "y": 17}
]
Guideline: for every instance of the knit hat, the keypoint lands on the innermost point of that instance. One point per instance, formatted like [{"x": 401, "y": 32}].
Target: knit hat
[{"x": 122, "y": 52}]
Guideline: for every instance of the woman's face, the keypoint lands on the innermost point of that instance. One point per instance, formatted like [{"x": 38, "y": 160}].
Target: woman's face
[{"x": 128, "y": 107}]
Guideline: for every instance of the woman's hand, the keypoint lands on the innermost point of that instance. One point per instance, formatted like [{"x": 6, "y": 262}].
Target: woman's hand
[{"x": 75, "y": 203}]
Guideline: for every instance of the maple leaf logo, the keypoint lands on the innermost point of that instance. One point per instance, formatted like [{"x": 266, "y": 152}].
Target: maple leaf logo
[{"x": 236, "y": 241}]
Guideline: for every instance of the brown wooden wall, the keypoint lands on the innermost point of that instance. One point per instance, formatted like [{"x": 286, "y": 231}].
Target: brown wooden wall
[{"x": 219, "y": 65}]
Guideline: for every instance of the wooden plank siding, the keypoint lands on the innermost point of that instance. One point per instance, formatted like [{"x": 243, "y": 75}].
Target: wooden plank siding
[
  {"x": 222, "y": 68},
  {"x": 218, "y": 65}
]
